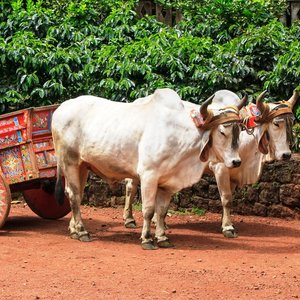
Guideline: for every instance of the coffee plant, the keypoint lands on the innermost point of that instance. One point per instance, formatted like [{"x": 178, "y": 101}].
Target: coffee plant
[{"x": 54, "y": 50}]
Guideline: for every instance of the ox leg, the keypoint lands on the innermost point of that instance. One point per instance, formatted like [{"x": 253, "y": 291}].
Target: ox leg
[
  {"x": 154, "y": 220},
  {"x": 131, "y": 190},
  {"x": 225, "y": 189},
  {"x": 227, "y": 225},
  {"x": 148, "y": 191},
  {"x": 75, "y": 182},
  {"x": 162, "y": 203}
]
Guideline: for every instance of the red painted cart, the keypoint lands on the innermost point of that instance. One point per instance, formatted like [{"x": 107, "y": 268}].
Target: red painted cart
[{"x": 28, "y": 163}]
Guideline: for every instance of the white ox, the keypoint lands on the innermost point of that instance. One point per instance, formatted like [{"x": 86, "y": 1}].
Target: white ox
[
  {"x": 270, "y": 140},
  {"x": 155, "y": 142},
  {"x": 271, "y": 136}
]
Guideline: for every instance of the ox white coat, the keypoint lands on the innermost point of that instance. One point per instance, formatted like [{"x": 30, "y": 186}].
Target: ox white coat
[
  {"x": 155, "y": 142},
  {"x": 269, "y": 140}
]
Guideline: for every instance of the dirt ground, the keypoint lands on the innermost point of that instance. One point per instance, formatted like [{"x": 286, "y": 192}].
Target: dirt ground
[{"x": 39, "y": 260}]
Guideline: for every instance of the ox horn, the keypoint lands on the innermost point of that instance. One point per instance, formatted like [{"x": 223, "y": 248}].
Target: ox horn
[
  {"x": 292, "y": 101},
  {"x": 203, "y": 108},
  {"x": 259, "y": 104},
  {"x": 243, "y": 102}
]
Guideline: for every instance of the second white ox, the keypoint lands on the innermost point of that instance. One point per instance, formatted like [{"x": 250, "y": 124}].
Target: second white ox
[
  {"x": 155, "y": 142},
  {"x": 270, "y": 139}
]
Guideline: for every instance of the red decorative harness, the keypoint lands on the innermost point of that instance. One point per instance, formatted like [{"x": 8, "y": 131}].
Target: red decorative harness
[
  {"x": 249, "y": 114},
  {"x": 252, "y": 117}
]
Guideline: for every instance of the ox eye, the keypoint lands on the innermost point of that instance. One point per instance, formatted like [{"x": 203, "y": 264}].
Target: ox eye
[
  {"x": 277, "y": 121},
  {"x": 222, "y": 133}
]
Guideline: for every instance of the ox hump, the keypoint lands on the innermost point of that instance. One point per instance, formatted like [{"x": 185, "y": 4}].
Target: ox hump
[
  {"x": 143, "y": 100},
  {"x": 168, "y": 98},
  {"x": 224, "y": 98}
]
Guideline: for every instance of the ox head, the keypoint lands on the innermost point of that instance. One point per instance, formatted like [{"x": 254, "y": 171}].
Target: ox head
[
  {"x": 220, "y": 139},
  {"x": 276, "y": 122}
]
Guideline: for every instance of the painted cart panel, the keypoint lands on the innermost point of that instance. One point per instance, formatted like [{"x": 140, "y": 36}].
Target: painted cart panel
[
  {"x": 26, "y": 146},
  {"x": 28, "y": 162}
]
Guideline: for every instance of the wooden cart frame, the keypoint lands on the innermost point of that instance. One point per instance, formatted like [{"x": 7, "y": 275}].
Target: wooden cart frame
[{"x": 28, "y": 162}]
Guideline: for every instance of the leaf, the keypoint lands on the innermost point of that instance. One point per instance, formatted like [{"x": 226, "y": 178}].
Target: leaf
[
  {"x": 39, "y": 91},
  {"x": 23, "y": 78}
]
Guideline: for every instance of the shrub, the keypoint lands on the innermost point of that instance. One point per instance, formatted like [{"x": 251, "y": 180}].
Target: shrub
[
  {"x": 52, "y": 51},
  {"x": 296, "y": 134}
]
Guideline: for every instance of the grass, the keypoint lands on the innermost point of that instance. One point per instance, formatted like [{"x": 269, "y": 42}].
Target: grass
[
  {"x": 181, "y": 211},
  {"x": 188, "y": 211}
]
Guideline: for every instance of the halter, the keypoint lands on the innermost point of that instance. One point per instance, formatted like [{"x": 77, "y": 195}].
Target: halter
[
  {"x": 279, "y": 110},
  {"x": 211, "y": 121},
  {"x": 252, "y": 117}
]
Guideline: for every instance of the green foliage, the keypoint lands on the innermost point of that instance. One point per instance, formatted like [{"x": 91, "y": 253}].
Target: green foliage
[
  {"x": 187, "y": 211},
  {"x": 286, "y": 72},
  {"x": 296, "y": 134},
  {"x": 54, "y": 50},
  {"x": 256, "y": 186},
  {"x": 137, "y": 205},
  {"x": 223, "y": 19},
  {"x": 198, "y": 211}
]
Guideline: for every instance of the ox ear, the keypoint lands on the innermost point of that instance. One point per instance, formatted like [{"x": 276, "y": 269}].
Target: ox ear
[
  {"x": 205, "y": 146},
  {"x": 263, "y": 143}
]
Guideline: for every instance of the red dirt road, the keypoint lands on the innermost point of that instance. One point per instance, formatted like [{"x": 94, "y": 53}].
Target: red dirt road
[{"x": 39, "y": 260}]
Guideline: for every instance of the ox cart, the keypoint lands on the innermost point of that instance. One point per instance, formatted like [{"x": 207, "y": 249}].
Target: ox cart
[{"x": 28, "y": 162}]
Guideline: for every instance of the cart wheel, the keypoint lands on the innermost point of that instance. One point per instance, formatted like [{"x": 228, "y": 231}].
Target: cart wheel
[
  {"x": 42, "y": 202},
  {"x": 5, "y": 200}
]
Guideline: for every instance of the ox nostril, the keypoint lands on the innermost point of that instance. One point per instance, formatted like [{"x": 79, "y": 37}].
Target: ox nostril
[
  {"x": 286, "y": 156},
  {"x": 236, "y": 163}
]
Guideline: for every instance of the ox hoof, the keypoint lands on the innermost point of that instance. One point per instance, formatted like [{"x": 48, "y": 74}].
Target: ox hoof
[
  {"x": 149, "y": 246},
  {"x": 85, "y": 237},
  {"x": 165, "y": 244},
  {"x": 230, "y": 234},
  {"x": 81, "y": 236},
  {"x": 131, "y": 224}
]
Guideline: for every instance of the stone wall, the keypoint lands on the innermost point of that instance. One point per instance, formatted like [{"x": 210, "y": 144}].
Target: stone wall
[{"x": 277, "y": 194}]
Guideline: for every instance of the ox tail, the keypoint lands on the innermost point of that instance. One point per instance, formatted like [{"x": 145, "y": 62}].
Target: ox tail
[{"x": 59, "y": 188}]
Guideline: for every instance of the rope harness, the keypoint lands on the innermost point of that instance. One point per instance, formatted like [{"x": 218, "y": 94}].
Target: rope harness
[
  {"x": 252, "y": 117},
  {"x": 226, "y": 116},
  {"x": 249, "y": 116}
]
